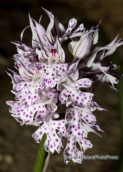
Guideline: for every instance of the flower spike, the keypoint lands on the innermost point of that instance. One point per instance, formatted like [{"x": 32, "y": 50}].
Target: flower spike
[{"x": 45, "y": 82}]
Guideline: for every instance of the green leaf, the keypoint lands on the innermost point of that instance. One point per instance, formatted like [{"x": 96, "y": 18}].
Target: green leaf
[{"x": 46, "y": 162}]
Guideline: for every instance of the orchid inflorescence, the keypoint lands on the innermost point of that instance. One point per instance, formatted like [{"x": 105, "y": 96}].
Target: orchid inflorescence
[{"x": 45, "y": 83}]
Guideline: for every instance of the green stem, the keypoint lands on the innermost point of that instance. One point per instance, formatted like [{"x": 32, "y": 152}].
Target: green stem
[{"x": 41, "y": 156}]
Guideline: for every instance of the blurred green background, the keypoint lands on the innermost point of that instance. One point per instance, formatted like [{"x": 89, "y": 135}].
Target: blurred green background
[{"x": 18, "y": 149}]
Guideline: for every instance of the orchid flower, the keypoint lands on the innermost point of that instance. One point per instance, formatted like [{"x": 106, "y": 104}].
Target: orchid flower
[{"x": 44, "y": 82}]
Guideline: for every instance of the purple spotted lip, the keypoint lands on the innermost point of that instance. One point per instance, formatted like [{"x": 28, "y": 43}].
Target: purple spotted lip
[{"x": 44, "y": 82}]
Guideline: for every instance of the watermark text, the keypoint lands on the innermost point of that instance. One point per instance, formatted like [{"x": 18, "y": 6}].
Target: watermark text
[{"x": 95, "y": 157}]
